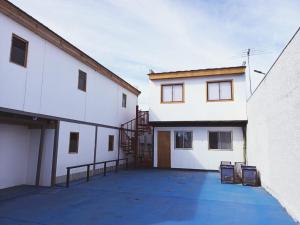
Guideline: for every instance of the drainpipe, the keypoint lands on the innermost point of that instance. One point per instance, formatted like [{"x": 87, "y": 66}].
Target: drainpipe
[{"x": 244, "y": 128}]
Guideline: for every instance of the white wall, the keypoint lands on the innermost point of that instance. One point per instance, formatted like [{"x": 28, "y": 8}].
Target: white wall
[
  {"x": 86, "y": 147},
  {"x": 274, "y": 129},
  {"x": 46, "y": 164},
  {"x": 200, "y": 157},
  {"x": 49, "y": 83},
  {"x": 85, "y": 150},
  {"x": 196, "y": 107},
  {"x": 18, "y": 155},
  {"x": 32, "y": 154}
]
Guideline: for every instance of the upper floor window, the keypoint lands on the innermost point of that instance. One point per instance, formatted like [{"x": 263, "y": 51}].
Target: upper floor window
[
  {"x": 19, "y": 50},
  {"x": 124, "y": 100},
  {"x": 183, "y": 139},
  {"x": 82, "y": 80},
  {"x": 73, "y": 142},
  {"x": 220, "y": 140},
  {"x": 172, "y": 93},
  {"x": 219, "y": 90},
  {"x": 111, "y": 142}
]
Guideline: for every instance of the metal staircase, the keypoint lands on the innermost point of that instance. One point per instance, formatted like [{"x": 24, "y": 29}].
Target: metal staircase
[{"x": 133, "y": 134}]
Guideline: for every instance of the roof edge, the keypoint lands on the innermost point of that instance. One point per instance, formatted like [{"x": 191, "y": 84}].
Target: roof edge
[
  {"x": 32, "y": 24},
  {"x": 222, "y": 71}
]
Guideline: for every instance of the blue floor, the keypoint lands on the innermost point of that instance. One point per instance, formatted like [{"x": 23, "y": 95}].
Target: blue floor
[{"x": 143, "y": 197}]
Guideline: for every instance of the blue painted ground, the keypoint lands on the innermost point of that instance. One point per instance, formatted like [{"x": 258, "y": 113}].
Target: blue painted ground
[{"x": 143, "y": 197}]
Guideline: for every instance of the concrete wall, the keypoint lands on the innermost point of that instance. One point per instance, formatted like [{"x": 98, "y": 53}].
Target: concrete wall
[
  {"x": 200, "y": 157},
  {"x": 48, "y": 85},
  {"x": 274, "y": 129},
  {"x": 196, "y": 107}
]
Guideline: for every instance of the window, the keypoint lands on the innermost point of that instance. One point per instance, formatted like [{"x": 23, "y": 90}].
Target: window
[
  {"x": 18, "y": 51},
  {"x": 172, "y": 93},
  {"x": 183, "y": 139},
  {"x": 111, "y": 142},
  {"x": 219, "y": 91},
  {"x": 124, "y": 100},
  {"x": 82, "y": 80},
  {"x": 221, "y": 140},
  {"x": 73, "y": 144}
]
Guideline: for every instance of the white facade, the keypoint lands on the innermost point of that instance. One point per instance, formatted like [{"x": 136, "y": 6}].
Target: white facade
[
  {"x": 195, "y": 106},
  {"x": 200, "y": 156},
  {"x": 48, "y": 87},
  {"x": 200, "y": 116},
  {"x": 274, "y": 129}
]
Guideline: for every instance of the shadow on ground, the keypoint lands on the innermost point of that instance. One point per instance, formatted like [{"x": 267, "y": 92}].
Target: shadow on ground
[{"x": 142, "y": 197}]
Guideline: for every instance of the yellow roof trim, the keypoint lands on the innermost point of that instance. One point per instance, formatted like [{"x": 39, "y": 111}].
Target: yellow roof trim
[{"x": 225, "y": 71}]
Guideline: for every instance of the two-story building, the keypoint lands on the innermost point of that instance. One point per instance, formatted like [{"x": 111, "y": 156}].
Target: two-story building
[
  {"x": 199, "y": 117},
  {"x": 58, "y": 106}
]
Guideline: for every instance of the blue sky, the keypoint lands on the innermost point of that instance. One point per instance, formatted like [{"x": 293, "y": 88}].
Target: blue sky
[{"x": 130, "y": 37}]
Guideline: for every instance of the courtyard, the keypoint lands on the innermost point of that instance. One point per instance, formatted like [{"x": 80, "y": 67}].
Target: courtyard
[{"x": 143, "y": 197}]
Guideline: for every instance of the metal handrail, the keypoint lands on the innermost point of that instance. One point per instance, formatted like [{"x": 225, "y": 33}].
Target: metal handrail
[
  {"x": 88, "y": 165},
  {"x": 140, "y": 114}
]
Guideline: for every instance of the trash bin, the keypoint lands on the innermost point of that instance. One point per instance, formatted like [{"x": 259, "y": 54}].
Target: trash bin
[
  {"x": 249, "y": 176},
  {"x": 227, "y": 174}
]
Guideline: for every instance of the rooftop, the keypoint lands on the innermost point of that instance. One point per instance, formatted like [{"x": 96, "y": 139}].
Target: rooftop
[{"x": 222, "y": 71}]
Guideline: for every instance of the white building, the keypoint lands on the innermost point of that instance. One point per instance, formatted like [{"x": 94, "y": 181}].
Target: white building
[
  {"x": 58, "y": 106},
  {"x": 199, "y": 117}
]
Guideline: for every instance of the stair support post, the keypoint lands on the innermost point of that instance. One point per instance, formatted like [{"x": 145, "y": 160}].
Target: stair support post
[{"x": 136, "y": 135}]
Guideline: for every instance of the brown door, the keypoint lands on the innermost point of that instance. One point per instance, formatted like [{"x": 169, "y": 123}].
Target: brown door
[{"x": 163, "y": 149}]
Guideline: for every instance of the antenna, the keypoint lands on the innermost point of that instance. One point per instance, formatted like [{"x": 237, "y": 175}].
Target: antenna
[{"x": 248, "y": 57}]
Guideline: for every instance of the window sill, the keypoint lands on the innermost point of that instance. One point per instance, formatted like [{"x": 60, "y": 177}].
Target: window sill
[
  {"x": 184, "y": 149},
  {"x": 172, "y": 102},
  {"x": 221, "y": 100},
  {"x": 220, "y": 150}
]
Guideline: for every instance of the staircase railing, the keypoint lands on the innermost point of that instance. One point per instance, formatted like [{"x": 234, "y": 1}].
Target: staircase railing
[{"x": 131, "y": 130}]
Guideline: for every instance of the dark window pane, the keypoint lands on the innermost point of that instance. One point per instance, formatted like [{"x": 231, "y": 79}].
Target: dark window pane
[
  {"x": 124, "y": 100},
  {"x": 110, "y": 142},
  {"x": 213, "y": 140},
  {"x": 18, "y": 51},
  {"x": 82, "y": 81},
  {"x": 73, "y": 144},
  {"x": 187, "y": 142},
  {"x": 225, "y": 140},
  {"x": 179, "y": 140}
]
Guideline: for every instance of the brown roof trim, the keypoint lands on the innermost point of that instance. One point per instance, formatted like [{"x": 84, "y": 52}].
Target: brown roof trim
[
  {"x": 239, "y": 70},
  {"x": 211, "y": 123},
  {"x": 44, "y": 32}
]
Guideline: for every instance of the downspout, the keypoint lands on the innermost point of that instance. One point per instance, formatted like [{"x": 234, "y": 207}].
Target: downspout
[{"x": 244, "y": 128}]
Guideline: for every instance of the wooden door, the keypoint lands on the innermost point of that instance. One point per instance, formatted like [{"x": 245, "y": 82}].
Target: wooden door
[{"x": 163, "y": 149}]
